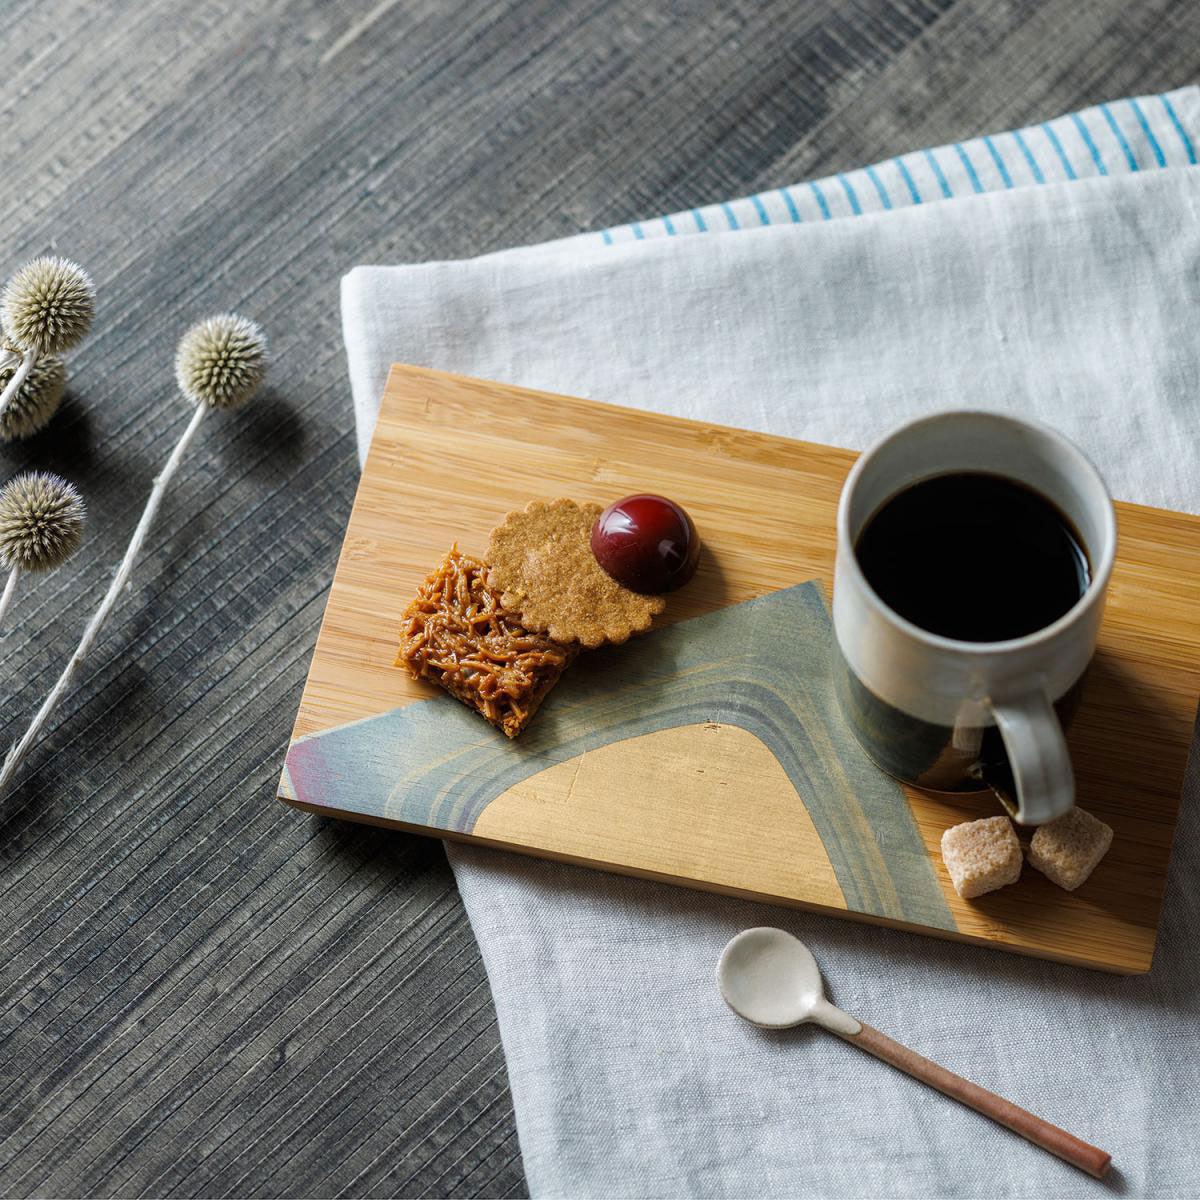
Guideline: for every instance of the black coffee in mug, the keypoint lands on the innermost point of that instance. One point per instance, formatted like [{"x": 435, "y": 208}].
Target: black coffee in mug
[{"x": 974, "y": 556}]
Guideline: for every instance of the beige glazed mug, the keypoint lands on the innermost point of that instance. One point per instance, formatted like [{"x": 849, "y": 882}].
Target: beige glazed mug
[{"x": 950, "y": 715}]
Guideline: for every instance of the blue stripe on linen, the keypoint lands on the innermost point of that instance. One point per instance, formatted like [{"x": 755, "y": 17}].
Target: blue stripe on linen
[
  {"x": 1145, "y": 132},
  {"x": 1179, "y": 129},
  {"x": 821, "y": 201},
  {"x": 884, "y": 198},
  {"x": 793, "y": 211},
  {"x": 1093, "y": 149},
  {"x": 1034, "y": 169},
  {"x": 1130, "y": 157},
  {"x": 1005, "y": 177},
  {"x": 1159, "y": 157},
  {"x": 970, "y": 167},
  {"x": 848, "y": 188},
  {"x": 937, "y": 170},
  {"x": 1058, "y": 149},
  {"x": 909, "y": 181}
]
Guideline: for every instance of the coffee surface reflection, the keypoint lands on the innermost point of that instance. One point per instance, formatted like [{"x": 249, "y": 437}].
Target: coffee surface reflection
[{"x": 973, "y": 556}]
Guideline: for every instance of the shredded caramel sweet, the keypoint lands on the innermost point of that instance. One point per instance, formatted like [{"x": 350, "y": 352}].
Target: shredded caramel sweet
[{"x": 457, "y": 634}]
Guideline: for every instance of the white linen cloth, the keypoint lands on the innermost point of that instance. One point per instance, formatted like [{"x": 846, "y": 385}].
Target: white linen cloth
[{"x": 1076, "y": 302}]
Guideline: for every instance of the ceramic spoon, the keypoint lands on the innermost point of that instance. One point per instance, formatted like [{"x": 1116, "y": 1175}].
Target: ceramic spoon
[{"x": 772, "y": 979}]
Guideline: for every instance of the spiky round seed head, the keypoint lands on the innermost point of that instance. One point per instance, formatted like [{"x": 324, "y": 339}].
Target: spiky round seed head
[
  {"x": 36, "y": 401},
  {"x": 48, "y": 305},
  {"x": 41, "y": 521},
  {"x": 221, "y": 360}
]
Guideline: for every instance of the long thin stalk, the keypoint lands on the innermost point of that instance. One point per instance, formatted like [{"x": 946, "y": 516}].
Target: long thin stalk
[
  {"x": 17, "y": 754},
  {"x": 28, "y": 362},
  {"x": 10, "y": 590}
]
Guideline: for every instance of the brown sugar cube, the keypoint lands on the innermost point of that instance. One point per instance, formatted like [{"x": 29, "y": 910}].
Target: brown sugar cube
[
  {"x": 1067, "y": 850},
  {"x": 458, "y": 635},
  {"x": 981, "y": 856}
]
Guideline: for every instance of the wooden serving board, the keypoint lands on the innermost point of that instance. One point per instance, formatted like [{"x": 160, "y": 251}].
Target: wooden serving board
[{"x": 710, "y": 752}]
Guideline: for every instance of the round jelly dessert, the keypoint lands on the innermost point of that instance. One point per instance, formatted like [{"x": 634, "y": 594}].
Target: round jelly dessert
[{"x": 647, "y": 543}]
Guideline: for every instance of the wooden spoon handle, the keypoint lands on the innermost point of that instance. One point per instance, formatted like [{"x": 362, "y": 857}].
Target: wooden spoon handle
[{"x": 1079, "y": 1154}]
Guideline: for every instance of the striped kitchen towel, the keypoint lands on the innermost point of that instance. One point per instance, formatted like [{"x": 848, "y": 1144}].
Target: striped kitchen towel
[
  {"x": 1138, "y": 134},
  {"x": 1141, "y": 134},
  {"x": 1073, "y": 302}
]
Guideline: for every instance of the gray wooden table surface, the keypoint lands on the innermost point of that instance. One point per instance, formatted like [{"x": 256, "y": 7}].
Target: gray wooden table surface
[{"x": 202, "y": 992}]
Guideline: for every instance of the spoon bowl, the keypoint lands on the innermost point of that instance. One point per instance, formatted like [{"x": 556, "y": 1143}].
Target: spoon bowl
[{"x": 772, "y": 980}]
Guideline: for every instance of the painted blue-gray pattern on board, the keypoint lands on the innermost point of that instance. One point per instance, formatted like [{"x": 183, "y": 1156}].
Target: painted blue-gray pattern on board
[{"x": 763, "y": 665}]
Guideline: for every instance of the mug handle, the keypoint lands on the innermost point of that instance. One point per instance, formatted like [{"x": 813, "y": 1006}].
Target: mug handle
[{"x": 1043, "y": 780}]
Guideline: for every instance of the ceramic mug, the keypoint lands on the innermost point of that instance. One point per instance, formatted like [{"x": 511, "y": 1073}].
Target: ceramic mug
[{"x": 956, "y": 716}]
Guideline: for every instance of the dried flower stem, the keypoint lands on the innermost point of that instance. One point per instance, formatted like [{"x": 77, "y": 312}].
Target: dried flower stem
[
  {"x": 28, "y": 361},
  {"x": 17, "y": 754},
  {"x": 10, "y": 590}
]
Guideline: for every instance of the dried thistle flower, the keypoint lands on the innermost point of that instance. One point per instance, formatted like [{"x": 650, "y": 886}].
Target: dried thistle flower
[
  {"x": 41, "y": 524},
  {"x": 219, "y": 363},
  {"x": 45, "y": 308},
  {"x": 35, "y": 401},
  {"x": 48, "y": 305},
  {"x": 221, "y": 360},
  {"x": 41, "y": 521}
]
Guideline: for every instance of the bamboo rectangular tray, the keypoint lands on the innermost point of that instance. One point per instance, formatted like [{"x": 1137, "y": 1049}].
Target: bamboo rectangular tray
[{"x": 709, "y": 752}]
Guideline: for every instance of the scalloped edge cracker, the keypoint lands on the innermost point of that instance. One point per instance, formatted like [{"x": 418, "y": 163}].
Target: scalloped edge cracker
[{"x": 541, "y": 561}]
